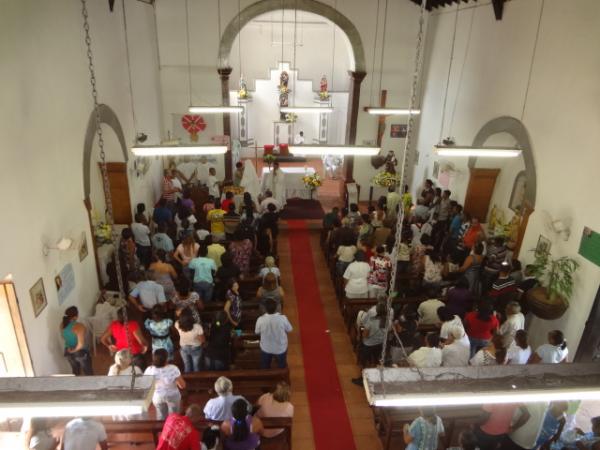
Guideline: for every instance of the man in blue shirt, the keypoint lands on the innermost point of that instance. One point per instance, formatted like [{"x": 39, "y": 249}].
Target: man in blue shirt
[
  {"x": 147, "y": 293},
  {"x": 204, "y": 269},
  {"x": 273, "y": 328},
  {"x": 162, "y": 214},
  {"x": 161, "y": 240}
]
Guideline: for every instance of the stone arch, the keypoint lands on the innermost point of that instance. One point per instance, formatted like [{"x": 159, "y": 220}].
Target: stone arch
[
  {"x": 312, "y": 6},
  {"x": 517, "y": 130},
  {"x": 108, "y": 117}
]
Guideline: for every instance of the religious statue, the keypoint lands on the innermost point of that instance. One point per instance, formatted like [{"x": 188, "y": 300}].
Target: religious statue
[
  {"x": 513, "y": 228},
  {"x": 283, "y": 92},
  {"x": 391, "y": 162},
  {"x": 323, "y": 93},
  {"x": 243, "y": 91}
]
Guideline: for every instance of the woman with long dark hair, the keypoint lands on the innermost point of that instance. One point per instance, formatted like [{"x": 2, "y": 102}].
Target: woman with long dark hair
[
  {"x": 555, "y": 351},
  {"x": 242, "y": 431},
  {"x": 217, "y": 354},
  {"x": 481, "y": 325},
  {"x": 76, "y": 350},
  {"x": 233, "y": 302},
  {"x": 118, "y": 337}
]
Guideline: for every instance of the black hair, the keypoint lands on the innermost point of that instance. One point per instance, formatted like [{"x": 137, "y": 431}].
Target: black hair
[
  {"x": 210, "y": 436},
  {"x": 217, "y": 203},
  {"x": 238, "y": 165},
  {"x": 360, "y": 256},
  {"x": 499, "y": 241},
  {"x": 203, "y": 250},
  {"x": 365, "y": 218},
  {"x": 121, "y": 315},
  {"x": 434, "y": 256},
  {"x": 157, "y": 313},
  {"x": 183, "y": 286},
  {"x": 230, "y": 283},
  {"x": 231, "y": 207},
  {"x": 70, "y": 313},
  {"x": 467, "y": 440},
  {"x": 425, "y": 239},
  {"x": 558, "y": 339},
  {"x": 162, "y": 202},
  {"x": 337, "y": 222},
  {"x": 161, "y": 255},
  {"x": 126, "y": 233},
  {"x": 433, "y": 339},
  {"x": 478, "y": 249},
  {"x": 438, "y": 191},
  {"x": 228, "y": 194},
  {"x": 444, "y": 314},
  {"x": 448, "y": 192},
  {"x": 380, "y": 249},
  {"x": 521, "y": 339},
  {"x": 344, "y": 211},
  {"x": 271, "y": 207},
  {"x": 270, "y": 306},
  {"x": 159, "y": 357},
  {"x": 516, "y": 265},
  {"x": 239, "y": 411},
  {"x": 140, "y": 208},
  {"x": 485, "y": 312},
  {"x": 186, "y": 320},
  {"x": 462, "y": 283},
  {"x": 353, "y": 207},
  {"x": 162, "y": 227}
]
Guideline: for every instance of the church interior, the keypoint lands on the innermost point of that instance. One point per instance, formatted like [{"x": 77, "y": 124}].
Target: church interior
[{"x": 308, "y": 224}]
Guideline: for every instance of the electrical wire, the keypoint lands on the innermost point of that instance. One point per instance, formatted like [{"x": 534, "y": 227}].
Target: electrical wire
[
  {"x": 449, "y": 72},
  {"x": 374, "y": 50},
  {"x": 537, "y": 36},
  {"x": 189, "y": 56},
  {"x": 129, "y": 71},
  {"x": 383, "y": 44}
]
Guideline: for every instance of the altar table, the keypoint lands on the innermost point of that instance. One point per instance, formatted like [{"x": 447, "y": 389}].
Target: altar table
[{"x": 294, "y": 187}]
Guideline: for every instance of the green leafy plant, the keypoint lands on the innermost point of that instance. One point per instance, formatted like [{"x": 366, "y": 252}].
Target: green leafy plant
[
  {"x": 269, "y": 159},
  {"x": 556, "y": 275}
]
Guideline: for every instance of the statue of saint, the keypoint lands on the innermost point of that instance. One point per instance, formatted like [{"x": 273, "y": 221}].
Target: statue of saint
[
  {"x": 391, "y": 162},
  {"x": 243, "y": 92},
  {"x": 323, "y": 84}
]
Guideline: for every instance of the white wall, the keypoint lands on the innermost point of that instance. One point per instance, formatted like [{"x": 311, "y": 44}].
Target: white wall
[
  {"x": 400, "y": 42},
  {"x": 561, "y": 115},
  {"x": 46, "y": 103}
]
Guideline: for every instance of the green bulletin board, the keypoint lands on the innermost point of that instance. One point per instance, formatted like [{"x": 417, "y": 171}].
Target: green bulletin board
[{"x": 590, "y": 246}]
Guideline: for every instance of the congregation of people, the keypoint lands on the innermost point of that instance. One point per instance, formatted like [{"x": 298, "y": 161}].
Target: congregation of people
[
  {"x": 458, "y": 299},
  {"x": 177, "y": 263}
]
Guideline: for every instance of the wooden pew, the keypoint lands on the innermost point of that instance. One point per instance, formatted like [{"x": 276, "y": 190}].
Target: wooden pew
[
  {"x": 251, "y": 383},
  {"x": 147, "y": 432}
]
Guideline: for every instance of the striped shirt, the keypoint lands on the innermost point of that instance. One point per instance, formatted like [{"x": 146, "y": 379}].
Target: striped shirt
[
  {"x": 503, "y": 286},
  {"x": 168, "y": 190}
]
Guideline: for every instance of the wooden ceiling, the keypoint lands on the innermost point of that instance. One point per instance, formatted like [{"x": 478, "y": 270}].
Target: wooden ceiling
[{"x": 498, "y": 5}]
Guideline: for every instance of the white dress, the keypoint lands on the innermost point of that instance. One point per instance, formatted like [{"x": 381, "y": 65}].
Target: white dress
[{"x": 250, "y": 181}]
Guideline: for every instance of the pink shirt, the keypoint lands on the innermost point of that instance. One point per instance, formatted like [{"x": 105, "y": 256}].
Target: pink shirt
[
  {"x": 272, "y": 408},
  {"x": 500, "y": 418}
]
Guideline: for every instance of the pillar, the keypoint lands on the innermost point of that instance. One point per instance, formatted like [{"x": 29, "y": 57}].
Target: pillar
[
  {"x": 356, "y": 79},
  {"x": 224, "y": 73}
]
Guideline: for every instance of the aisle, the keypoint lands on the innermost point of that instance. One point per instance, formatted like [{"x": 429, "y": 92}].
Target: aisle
[{"x": 340, "y": 417}]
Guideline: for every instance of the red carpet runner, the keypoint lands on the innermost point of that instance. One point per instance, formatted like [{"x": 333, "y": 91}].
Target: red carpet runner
[{"x": 331, "y": 426}]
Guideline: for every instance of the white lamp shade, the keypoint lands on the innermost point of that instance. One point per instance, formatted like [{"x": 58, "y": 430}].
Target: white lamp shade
[
  {"x": 392, "y": 111},
  {"x": 178, "y": 150},
  {"x": 484, "y": 152},
  {"x": 214, "y": 109},
  {"x": 306, "y": 109},
  {"x": 320, "y": 150}
]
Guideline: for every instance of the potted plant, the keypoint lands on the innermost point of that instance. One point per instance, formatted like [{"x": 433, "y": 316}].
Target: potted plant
[
  {"x": 550, "y": 300},
  {"x": 269, "y": 160}
]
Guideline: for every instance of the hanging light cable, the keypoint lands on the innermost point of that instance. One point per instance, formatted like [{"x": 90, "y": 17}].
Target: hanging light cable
[
  {"x": 449, "y": 73},
  {"x": 387, "y": 111},
  {"x": 205, "y": 109}
]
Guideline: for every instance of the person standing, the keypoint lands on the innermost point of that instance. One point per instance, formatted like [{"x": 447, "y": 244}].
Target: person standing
[
  {"x": 84, "y": 433},
  {"x": 554, "y": 352},
  {"x": 169, "y": 191},
  {"x": 299, "y": 138},
  {"x": 355, "y": 277},
  {"x": 204, "y": 269},
  {"x": 379, "y": 275},
  {"x": 141, "y": 235},
  {"x": 76, "y": 350},
  {"x": 277, "y": 184},
  {"x": 191, "y": 338},
  {"x": 125, "y": 337},
  {"x": 425, "y": 432},
  {"x": 218, "y": 409},
  {"x": 166, "y": 398},
  {"x": 392, "y": 200},
  {"x": 273, "y": 328},
  {"x": 213, "y": 183},
  {"x": 496, "y": 422},
  {"x": 216, "y": 218},
  {"x": 147, "y": 293}
]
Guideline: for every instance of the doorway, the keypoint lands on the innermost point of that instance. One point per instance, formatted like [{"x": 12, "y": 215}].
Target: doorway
[
  {"x": 119, "y": 192},
  {"x": 480, "y": 191},
  {"x": 15, "y": 360},
  {"x": 589, "y": 344}
]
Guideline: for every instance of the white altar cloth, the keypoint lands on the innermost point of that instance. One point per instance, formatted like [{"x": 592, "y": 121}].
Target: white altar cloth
[{"x": 294, "y": 187}]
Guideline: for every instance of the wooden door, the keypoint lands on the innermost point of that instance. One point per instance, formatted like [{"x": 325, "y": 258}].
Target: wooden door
[
  {"x": 479, "y": 192},
  {"x": 119, "y": 191}
]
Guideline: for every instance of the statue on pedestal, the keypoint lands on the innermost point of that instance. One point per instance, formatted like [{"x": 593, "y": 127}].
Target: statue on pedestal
[
  {"x": 323, "y": 93},
  {"x": 243, "y": 89}
]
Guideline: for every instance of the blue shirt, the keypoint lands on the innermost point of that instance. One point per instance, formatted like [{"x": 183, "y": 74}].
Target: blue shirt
[
  {"x": 162, "y": 241},
  {"x": 149, "y": 292},
  {"x": 203, "y": 269},
  {"x": 549, "y": 428},
  {"x": 455, "y": 226},
  {"x": 162, "y": 215}
]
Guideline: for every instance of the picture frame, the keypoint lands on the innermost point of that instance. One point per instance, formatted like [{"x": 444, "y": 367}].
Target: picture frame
[
  {"x": 517, "y": 196},
  {"x": 398, "y": 130},
  {"x": 39, "y": 301},
  {"x": 543, "y": 246},
  {"x": 83, "y": 247}
]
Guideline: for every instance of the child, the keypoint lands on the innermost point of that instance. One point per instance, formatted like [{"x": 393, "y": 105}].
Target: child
[
  {"x": 425, "y": 431},
  {"x": 213, "y": 183},
  {"x": 159, "y": 328}
]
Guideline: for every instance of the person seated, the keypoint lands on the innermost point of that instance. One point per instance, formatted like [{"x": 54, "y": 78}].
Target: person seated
[
  {"x": 123, "y": 364},
  {"x": 39, "y": 434},
  {"x": 457, "y": 348},
  {"x": 425, "y": 432},
  {"x": 494, "y": 353},
  {"x": 162, "y": 214},
  {"x": 355, "y": 277},
  {"x": 181, "y": 430},
  {"x": 275, "y": 404},
  {"x": 447, "y": 321},
  {"x": 210, "y": 438},
  {"x": 147, "y": 293},
  {"x": 430, "y": 355},
  {"x": 519, "y": 351},
  {"x": 241, "y": 431},
  {"x": 428, "y": 309},
  {"x": 219, "y": 409},
  {"x": 269, "y": 267},
  {"x": 432, "y": 274}
]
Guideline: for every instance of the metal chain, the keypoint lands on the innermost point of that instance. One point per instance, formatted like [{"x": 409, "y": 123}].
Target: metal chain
[
  {"x": 403, "y": 171},
  {"x": 105, "y": 181}
]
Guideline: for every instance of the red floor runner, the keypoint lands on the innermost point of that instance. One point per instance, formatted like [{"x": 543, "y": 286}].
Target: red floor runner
[{"x": 331, "y": 426}]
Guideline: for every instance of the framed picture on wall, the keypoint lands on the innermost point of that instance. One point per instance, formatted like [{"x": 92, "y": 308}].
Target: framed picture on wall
[
  {"x": 83, "y": 247},
  {"x": 543, "y": 246},
  {"x": 398, "y": 130},
  {"x": 38, "y": 297},
  {"x": 517, "y": 196}
]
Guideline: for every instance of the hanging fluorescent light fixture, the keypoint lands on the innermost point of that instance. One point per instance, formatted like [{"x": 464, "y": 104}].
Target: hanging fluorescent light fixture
[
  {"x": 178, "y": 150},
  {"x": 74, "y": 396},
  {"x": 392, "y": 111},
  {"x": 215, "y": 109},
  {"x": 486, "y": 152},
  {"x": 306, "y": 109},
  {"x": 320, "y": 150}
]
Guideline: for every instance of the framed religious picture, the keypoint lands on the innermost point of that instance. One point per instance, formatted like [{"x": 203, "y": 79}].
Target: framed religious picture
[
  {"x": 398, "y": 130},
  {"x": 83, "y": 247},
  {"x": 38, "y": 297},
  {"x": 543, "y": 246},
  {"x": 517, "y": 196}
]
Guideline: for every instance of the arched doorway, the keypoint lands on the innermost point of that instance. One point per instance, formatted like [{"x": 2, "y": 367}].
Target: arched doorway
[{"x": 357, "y": 74}]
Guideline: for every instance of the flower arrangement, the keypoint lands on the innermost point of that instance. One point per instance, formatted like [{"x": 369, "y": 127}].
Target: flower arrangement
[
  {"x": 323, "y": 95},
  {"x": 312, "y": 181},
  {"x": 291, "y": 117},
  {"x": 269, "y": 159},
  {"x": 103, "y": 233},
  {"x": 243, "y": 94},
  {"x": 237, "y": 190},
  {"x": 386, "y": 179},
  {"x": 283, "y": 89}
]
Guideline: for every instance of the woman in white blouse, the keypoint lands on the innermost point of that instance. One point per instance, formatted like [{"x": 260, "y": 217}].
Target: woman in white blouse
[
  {"x": 519, "y": 351},
  {"x": 492, "y": 354},
  {"x": 166, "y": 398},
  {"x": 555, "y": 351}
]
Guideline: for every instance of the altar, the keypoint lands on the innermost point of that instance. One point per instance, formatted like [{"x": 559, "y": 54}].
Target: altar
[{"x": 294, "y": 187}]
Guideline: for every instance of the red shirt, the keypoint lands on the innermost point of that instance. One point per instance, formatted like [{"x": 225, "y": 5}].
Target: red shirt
[
  {"x": 479, "y": 329},
  {"x": 178, "y": 433},
  {"x": 471, "y": 235},
  {"x": 225, "y": 204},
  {"x": 120, "y": 336}
]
